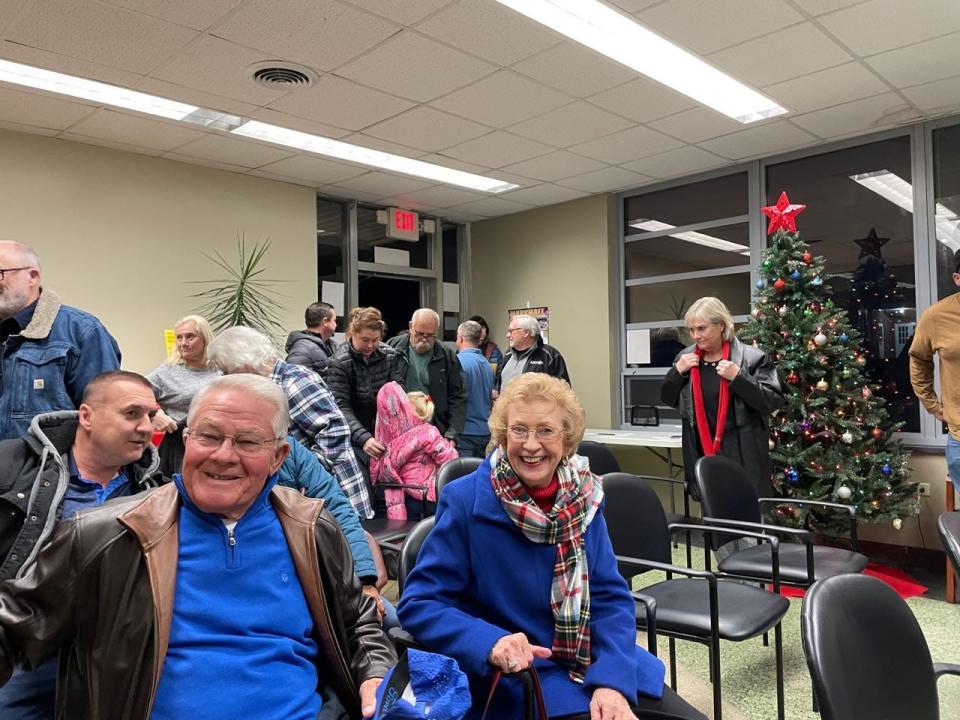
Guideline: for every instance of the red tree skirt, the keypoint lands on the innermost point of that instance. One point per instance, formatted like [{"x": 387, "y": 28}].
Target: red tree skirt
[{"x": 905, "y": 585}]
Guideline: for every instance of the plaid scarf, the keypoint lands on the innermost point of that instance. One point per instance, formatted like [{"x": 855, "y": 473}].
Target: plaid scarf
[{"x": 564, "y": 525}]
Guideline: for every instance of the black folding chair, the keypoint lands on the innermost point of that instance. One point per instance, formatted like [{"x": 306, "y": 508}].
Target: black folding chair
[
  {"x": 602, "y": 461},
  {"x": 949, "y": 526},
  {"x": 453, "y": 469},
  {"x": 867, "y": 654}
]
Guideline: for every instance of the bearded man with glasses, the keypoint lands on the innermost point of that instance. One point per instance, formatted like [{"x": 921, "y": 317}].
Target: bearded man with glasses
[{"x": 48, "y": 351}]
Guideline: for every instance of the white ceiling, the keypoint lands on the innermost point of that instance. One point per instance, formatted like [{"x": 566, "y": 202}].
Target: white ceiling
[{"x": 473, "y": 85}]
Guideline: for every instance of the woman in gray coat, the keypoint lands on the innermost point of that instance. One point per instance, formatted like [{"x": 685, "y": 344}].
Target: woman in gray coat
[{"x": 725, "y": 391}]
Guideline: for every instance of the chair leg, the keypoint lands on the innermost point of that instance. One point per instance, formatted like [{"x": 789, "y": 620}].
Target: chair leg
[
  {"x": 816, "y": 703},
  {"x": 766, "y": 640},
  {"x": 778, "y": 651},
  {"x": 951, "y": 579},
  {"x": 673, "y": 663},
  {"x": 715, "y": 672}
]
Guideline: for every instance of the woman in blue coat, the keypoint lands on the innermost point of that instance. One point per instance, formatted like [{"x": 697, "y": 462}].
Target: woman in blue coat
[{"x": 519, "y": 571}]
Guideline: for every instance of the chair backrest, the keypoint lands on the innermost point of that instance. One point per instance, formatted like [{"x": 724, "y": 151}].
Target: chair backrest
[
  {"x": 453, "y": 469},
  {"x": 725, "y": 491},
  {"x": 602, "y": 461},
  {"x": 636, "y": 522},
  {"x": 411, "y": 549},
  {"x": 949, "y": 526},
  {"x": 866, "y": 652}
]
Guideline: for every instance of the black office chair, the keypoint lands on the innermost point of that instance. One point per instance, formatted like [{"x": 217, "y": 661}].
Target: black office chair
[
  {"x": 949, "y": 526},
  {"x": 411, "y": 549},
  {"x": 698, "y": 607},
  {"x": 866, "y": 652},
  {"x": 728, "y": 499},
  {"x": 453, "y": 469},
  {"x": 388, "y": 532},
  {"x": 602, "y": 461}
]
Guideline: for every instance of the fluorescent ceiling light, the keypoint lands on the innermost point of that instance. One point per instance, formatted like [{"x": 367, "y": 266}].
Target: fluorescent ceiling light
[
  {"x": 601, "y": 28},
  {"x": 894, "y": 188},
  {"x": 92, "y": 90},
  {"x": 366, "y": 156},
  {"x": 694, "y": 237}
]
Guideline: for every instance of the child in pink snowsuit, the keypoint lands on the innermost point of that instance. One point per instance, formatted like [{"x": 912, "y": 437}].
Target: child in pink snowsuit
[{"x": 415, "y": 450}]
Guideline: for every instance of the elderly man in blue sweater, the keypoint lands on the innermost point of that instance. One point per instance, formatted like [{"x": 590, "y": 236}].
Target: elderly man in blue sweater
[{"x": 218, "y": 595}]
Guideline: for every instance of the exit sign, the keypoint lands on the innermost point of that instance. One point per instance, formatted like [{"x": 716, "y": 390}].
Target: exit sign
[{"x": 403, "y": 224}]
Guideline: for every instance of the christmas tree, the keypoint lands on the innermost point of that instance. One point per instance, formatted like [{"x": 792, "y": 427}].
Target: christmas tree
[{"x": 833, "y": 439}]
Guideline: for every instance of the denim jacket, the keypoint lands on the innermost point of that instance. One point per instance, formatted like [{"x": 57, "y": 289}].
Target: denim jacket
[{"x": 47, "y": 366}]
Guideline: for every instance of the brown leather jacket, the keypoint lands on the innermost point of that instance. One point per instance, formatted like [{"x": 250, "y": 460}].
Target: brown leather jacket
[{"x": 103, "y": 591}]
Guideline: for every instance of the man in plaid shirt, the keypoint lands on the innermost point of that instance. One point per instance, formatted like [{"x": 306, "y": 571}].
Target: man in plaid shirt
[{"x": 316, "y": 421}]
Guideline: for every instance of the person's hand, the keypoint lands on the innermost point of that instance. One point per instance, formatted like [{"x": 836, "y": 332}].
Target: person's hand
[
  {"x": 514, "y": 653},
  {"x": 939, "y": 415},
  {"x": 687, "y": 361},
  {"x": 374, "y": 448},
  {"x": 164, "y": 423},
  {"x": 727, "y": 370},
  {"x": 372, "y": 591},
  {"x": 494, "y": 395},
  {"x": 608, "y": 704},
  {"x": 368, "y": 696}
]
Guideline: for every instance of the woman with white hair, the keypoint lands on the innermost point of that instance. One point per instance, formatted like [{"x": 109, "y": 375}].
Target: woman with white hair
[
  {"x": 176, "y": 382},
  {"x": 725, "y": 391}
]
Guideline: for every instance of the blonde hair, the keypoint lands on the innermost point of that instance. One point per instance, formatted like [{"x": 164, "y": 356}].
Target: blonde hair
[
  {"x": 203, "y": 330},
  {"x": 366, "y": 318},
  {"x": 712, "y": 310},
  {"x": 422, "y": 405},
  {"x": 533, "y": 387}
]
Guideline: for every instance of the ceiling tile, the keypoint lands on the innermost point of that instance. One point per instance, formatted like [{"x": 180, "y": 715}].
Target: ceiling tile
[
  {"x": 405, "y": 12},
  {"x": 293, "y": 122},
  {"x": 220, "y": 67},
  {"x": 290, "y": 180},
  {"x": 827, "y": 87},
  {"x": 555, "y": 166},
  {"x": 642, "y": 100},
  {"x": 319, "y": 33},
  {"x": 32, "y": 129},
  {"x": 921, "y": 63},
  {"x": 244, "y": 153},
  {"x": 937, "y": 97},
  {"x": 492, "y": 207},
  {"x": 456, "y": 164},
  {"x": 437, "y": 197},
  {"x": 427, "y": 129},
  {"x": 69, "y": 65},
  {"x": 200, "y": 98},
  {"x": 606, "y": 180},
  {"x": 782, "y": 55},
  {"x": 633, "y": 6},
  {"x": 386, "y": 146},
  {"x": 490, "y": 30},
  {"x": 463, "y": 216},
  {"x": 8, "y": 11},
  {"x": 205, "y": 162},
  {"x": 859, "y": 116},
  {"x": 575, "y": 69},
  {"x": 682, "y": 161},
  {"x": 135, "y": 130},
  {"x": 706, "y": 27},
  {"x": 415, "y": 67},
  {"x": 349, "y": 193},
  {"x": 343, "y": 103},
  {"x": 199, "y": 14},
  {"x": 100, "y": 33},
  {"x": 313, "y": 170},
  {"x": 107, "y": 143},
  {"x": 545, "y": 194},
  {"x": 760, "y": 140},
  {"x": 886, "y": 24},
  {"x": 502, "y": 99},
  {"x": 383, "y": 184},
  {"x": 497, "y": 149},
  {"x": 630, "y": 144},
  {"x": 571, "y": 124},
  {"x": 697, "y": 124},
  {"x": 819, "y": 7},
  {"x": 40, "y": 109}
]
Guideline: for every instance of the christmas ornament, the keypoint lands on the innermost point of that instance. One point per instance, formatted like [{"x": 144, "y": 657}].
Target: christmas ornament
[
  {"x": 755, "y": 312},
  {"x": 793, "y": 477},
  {"x": 817, "y": 280},
  {"x": 861, "y": 360},
  {"x": 820, "y": 339},
  {"x": 823, "y": 360},
  {"x": 793, "y": 378},
  {"x": 886, "y": 469},
  {"x": 877, "y": 433},
  {"x": 844, "y": 493},
  {"x": 779, "y": 285},
  {"x": 823, "y": 385},
  {"x": 805, "y": 425},
  {"x": 866, "y": 392},
  {"x": 760, "y": 284},
  {"x": 782, "y": 310},
  {"x": 816, "y": 307},
  {"x": 844, "y": 337},
  {"x": 771, "y": 443},
  {"x": 763, "y": 300},
  {"x": 871, "y": 244},
  {"x": 875, "y": 504},
  {"x": 783, "y": 215},
  {"x": 808, "y": 257},
  {"x": 897, "y": 523},
  {"x": 795, "y": 275},
  {"x": 847, "y": 437}
]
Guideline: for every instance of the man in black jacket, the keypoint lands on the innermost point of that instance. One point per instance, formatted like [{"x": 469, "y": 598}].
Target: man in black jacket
[
  {"x": 314, "y": 346},
  {"x": 69, "y": 461},
  {"x": 425, "y": 364},
  {"x": 528, "y": 353}
]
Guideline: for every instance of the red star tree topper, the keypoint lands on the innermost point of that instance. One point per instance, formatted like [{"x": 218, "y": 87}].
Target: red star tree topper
[{"x": 783, "y": 215}]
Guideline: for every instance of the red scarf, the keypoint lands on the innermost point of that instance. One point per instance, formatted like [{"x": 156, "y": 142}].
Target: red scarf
[{"x": 711, "y": 446}]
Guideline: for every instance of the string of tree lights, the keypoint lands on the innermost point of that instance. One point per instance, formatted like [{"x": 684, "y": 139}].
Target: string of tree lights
[{"x": 833, "y": 440}]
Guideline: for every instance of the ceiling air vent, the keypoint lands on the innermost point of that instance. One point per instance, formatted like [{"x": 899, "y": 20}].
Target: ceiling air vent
[{"x": 282, "y": 77}]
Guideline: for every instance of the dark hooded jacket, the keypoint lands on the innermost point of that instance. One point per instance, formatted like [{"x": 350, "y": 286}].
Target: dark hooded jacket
[{"x": 310, "y": 350}]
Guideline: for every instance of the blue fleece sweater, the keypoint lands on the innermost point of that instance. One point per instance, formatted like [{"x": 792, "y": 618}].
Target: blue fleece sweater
[{"x": 241, "y": 638}]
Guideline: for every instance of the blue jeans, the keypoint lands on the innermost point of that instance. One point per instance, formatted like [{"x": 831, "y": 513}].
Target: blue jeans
[
  {"x": 953, "y": 461},
  {"x": 473, "y": 446},
  {"x": 30, "y": 695}
]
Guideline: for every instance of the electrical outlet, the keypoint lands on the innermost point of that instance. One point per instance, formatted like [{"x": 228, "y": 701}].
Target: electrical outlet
[{"x": 923, "y": 489}]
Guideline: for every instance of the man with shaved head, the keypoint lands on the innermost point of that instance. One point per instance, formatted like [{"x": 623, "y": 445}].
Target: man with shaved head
[
  {"x": 48, "y": 351},
  {"x": 67, "y": 462},
  {"x": 428, "y": 366}
]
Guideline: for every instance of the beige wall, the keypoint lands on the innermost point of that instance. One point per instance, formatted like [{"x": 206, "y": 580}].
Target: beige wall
[
  {"x": 560, "y": 257},
  {"x": 119, "y": 233}
]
